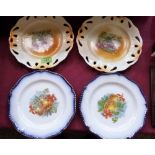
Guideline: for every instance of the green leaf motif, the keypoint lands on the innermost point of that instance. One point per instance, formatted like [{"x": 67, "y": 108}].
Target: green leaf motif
[
  {"x": 46, "y": 60},
  {"x": 115, "y": 119},
  {"x": 102, "y": 103},
  {"x": 116, "y": 113}
]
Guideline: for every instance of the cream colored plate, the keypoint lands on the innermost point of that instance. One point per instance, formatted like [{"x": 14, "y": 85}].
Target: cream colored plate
[
  {"x": 109, "y": 44},
  {"x": 41, "y": 42},
  {"x": 113, "y": 107}
]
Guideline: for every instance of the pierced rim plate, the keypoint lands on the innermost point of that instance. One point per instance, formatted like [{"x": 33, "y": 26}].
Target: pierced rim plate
[
  {"x": 41, "y": 42},
  {"x": 109, "y": 44},
  {"x": 113, "y": 107},
  {"x": 42, "y": 104}
]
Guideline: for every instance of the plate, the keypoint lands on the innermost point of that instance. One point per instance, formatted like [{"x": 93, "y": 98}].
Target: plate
[
  {"x": 109, "y": 44},
  {"x": 41, "y": 42},
  {"x": 42, "y": 104},
  {"x": 113, "y": 107}
]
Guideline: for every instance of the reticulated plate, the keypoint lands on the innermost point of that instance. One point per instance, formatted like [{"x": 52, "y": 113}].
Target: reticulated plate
[
  {"x": 41, "y": 104},
  {"x": 109, "y": 44},
  {"x": 41, "y": 42},
  {"x": 113, "y": 107}
]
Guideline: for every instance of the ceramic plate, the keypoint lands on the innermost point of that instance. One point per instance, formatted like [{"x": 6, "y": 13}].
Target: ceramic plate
[
  {"x": 41, "y": 42},
  {"x": 113, "y": 107},
  {"x": 109, "y": 44},
  {"x": 42, "y": 104}
]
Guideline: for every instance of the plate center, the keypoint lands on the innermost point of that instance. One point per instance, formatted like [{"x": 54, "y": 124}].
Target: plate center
[
  {"x": 110, "y": 42},
  {"x": 42, "y": 101},
  {"x": 42, "y": 39},
  {"x": 113, "y": 106}
]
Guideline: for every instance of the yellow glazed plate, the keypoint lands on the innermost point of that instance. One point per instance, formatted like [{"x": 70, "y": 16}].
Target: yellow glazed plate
[
  {"x": 109, "y": 44},
  {"x": 41, "y": 42}
]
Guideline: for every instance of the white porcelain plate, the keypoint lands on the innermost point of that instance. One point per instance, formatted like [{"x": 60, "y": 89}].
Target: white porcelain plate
[
  {"x": 42, "y": 104},
  {"x": 41, "y": 42},
  {"x": 109, "y": 44},
  {"x": 113, "y": 107}
]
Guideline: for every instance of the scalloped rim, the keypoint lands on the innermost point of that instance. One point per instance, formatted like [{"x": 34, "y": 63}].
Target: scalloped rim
[
  {"x": 36, "y": 62},
  {"x": 126, "y": 78},
  {"x": 99, "y": 64},
  {"x": 67, "y": 124}
]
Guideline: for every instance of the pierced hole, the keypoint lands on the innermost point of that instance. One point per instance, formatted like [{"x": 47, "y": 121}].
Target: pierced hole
[
  {"x": 129, "y": 24},
  {"x": 15, "y": 45},
  {"x": 15, "y": 52},
  {"x": 42, "y": 66},
  {"x": 136, "y": 46},
  {"x": 129, "y": 62},
  {"x": 27, "y": 18},
  {"x": 137, "y": 38},
  {"x": 122, "y": 21},
  {"x": 103, "y": 17},
  {"x": 35, "y": 16},
  {"x": 45, "y": 16},
  {"x": 86, "y": 27},
  {"x": 99, "y": 68},
  {"x": 36, "y": 63},
  {"x": 87, "y": 59},
  {"x": 55, "y": 61},
  {"x": 66, "y": 25},
  {"x": 67, "y": 32},
  {"x": 16, "y": 28},
  {"x": 11, "y": 40},
  {"x": 113, "y": 69},
  {"x": 71, "y": 36},
  {"x": 28, "y": 64},
  {"x": 67, "y": 48},
  {"x": 133, "y": 55},
  {"x": 48, "y": 63},
  {"x": 68, "y": 42},
  {"x": 112, "y": 18},
  {"x": 105, "y": 66},
  {"x": 15, "y": 35},
  {"x": 94, "y": 62},
  {"x": 138, "y": 52},
  {"x": 54, "y": 17},
  {"x": 82, "y": 37},
  {"x": 80, "y": 43},
  {"x": 81, "y": 31},
  {"x": 89, "y": 22}
]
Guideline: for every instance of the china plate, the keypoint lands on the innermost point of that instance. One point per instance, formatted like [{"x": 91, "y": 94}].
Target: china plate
[
  {"x": 113, "y": 107},
  {"x": 109, "y": 44},
  {"x": 41, "y": 104},
  {"x": 41, "y": 42}
]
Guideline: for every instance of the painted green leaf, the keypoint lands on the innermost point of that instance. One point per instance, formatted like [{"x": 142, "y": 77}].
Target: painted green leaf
[
  {"x": 102, "y": 103},
  {"x": 46, "y": 60},
  {"x": 100, "y": 108},
  {"x": 116, "y": 113},
  {"x": 115, "y": 119}
]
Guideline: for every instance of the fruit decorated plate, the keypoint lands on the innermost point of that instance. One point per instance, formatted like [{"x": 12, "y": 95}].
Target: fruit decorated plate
[
  {"x": 41, "y": 42},
  {"x": 113, "y": 107},
  {"x": 42, "y": 104},
  {"x": 109, "y": 44}
]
